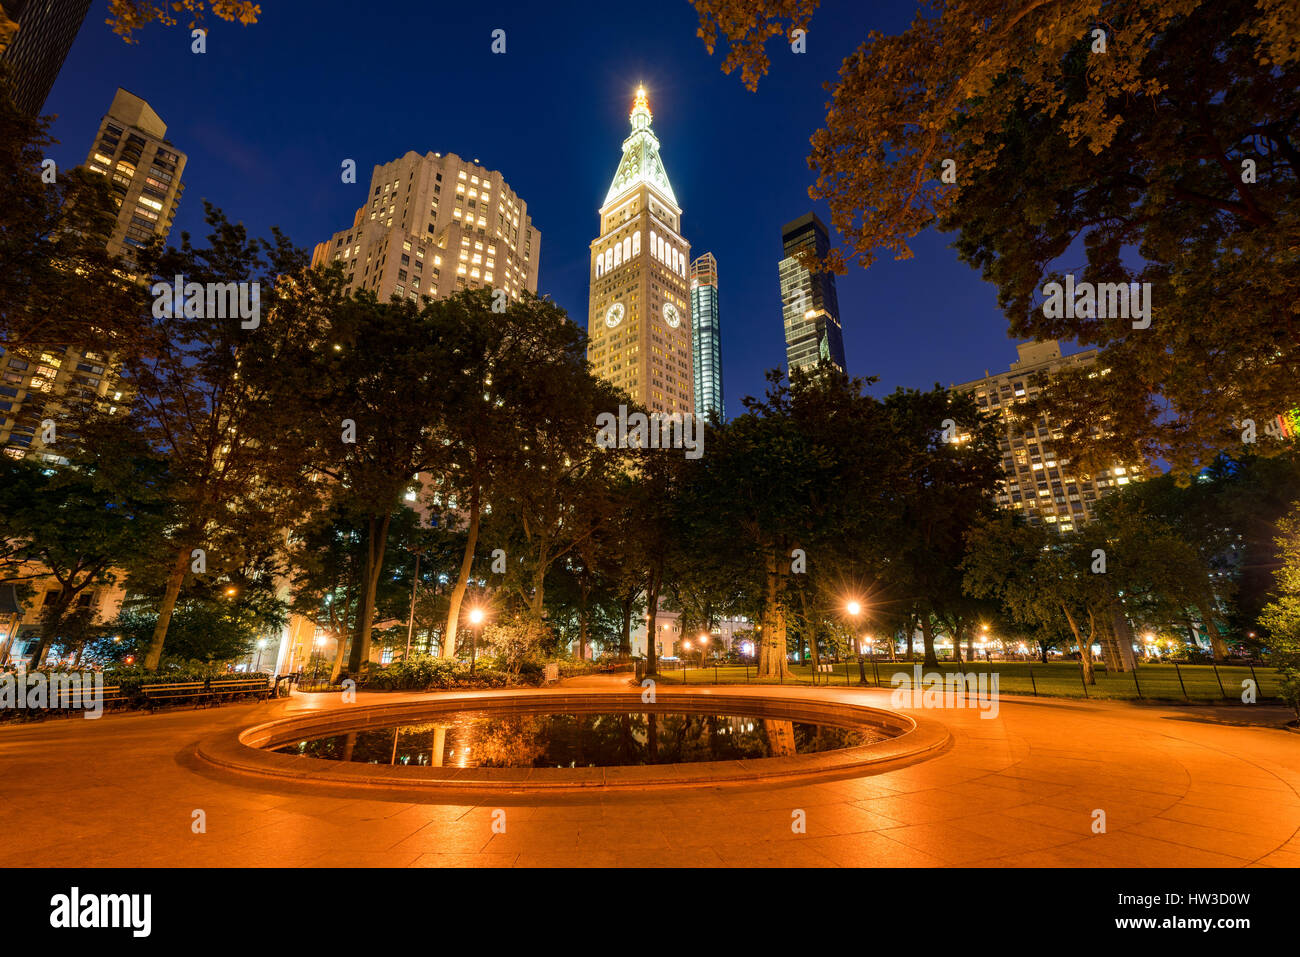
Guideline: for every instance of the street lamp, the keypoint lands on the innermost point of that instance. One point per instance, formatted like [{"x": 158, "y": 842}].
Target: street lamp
[
  {"x": 854, "y": 609},
  {"x": 232, "y": 591},
  {"x": 261, "y": 643},
  {"x": 475, "y": 619}
]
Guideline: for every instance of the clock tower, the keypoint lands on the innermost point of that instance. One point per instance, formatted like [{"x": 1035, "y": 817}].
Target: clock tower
[{"x": 638, "y": 325}]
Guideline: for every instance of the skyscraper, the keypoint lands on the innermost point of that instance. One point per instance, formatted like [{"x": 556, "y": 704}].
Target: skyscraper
[
  {"x": 1035, "y": 482},
  {"x": 434, "y": 225},
  {"x": 706, "y": 337},
  {"x": 132, "y": 149},
  {"x": 46, "y": 29},
  {"x": 809, "y": 304},
  {"x": 38, "y": 379},
  {"x": 638, "y": 337}
]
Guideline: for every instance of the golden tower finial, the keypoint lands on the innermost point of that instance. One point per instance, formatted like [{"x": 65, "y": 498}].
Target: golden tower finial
[{"x": 641, "y": 105}]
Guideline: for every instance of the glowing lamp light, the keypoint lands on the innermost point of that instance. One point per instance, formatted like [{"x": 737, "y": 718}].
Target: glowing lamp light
[
  {"x": 476, "y": 616},
  {"x": 853, "y": 608}
]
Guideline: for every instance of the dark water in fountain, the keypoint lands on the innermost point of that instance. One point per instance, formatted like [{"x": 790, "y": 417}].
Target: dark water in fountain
[{"x": 475, "y": 739}]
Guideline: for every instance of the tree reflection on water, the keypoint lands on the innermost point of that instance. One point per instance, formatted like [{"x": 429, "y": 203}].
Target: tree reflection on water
[{"x": 493, "y": 740}]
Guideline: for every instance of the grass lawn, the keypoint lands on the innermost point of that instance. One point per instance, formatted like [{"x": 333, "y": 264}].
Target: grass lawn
[{"x": 1056, "y": 679}]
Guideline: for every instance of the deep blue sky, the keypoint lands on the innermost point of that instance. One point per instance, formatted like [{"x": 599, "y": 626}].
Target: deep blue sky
[{"x": 270, "y": 111}]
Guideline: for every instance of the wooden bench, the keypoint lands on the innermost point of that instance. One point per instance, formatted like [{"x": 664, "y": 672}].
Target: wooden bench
[{"x": 204, "y": 692}]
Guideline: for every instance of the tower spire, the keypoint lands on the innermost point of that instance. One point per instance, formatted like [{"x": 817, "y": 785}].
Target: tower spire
[
  {"x": 641, "y": 162},
  {"x": 641, "y": 115}
]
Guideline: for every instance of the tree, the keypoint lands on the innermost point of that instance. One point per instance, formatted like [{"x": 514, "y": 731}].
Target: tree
[
  {"x": 80, "y": 523},
  {"x": 1158, "y": 136},
  {"x": 59, "y": 287},
  {"x": 226, "y": 405},
  {"x": 1282, "y": 615},
  {"x": 384, "y": 395},
  {"x": 784, "y": 485},
  {"x": 948, "y": 458},
  {"x": 127, "y": 16},
  {"x": 498, "y": 364}
]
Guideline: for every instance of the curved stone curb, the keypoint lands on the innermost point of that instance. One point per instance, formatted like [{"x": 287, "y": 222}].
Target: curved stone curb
[{"x": 247, "y": 751}]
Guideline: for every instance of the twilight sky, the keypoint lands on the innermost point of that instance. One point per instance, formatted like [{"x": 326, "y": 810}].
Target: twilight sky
[{"x": 269, "y": 113}]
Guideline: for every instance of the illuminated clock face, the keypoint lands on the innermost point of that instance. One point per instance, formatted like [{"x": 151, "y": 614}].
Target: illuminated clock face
[
  {"x": 614, "y": 315},
  {"x": 671, "y": 315}
]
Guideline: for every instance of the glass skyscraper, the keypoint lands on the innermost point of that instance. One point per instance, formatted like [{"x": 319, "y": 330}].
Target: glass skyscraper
[
  {"x": 706, "y": 337},
  {"x": 809, "y": 305},
  {"x": 46, "y": 29}
]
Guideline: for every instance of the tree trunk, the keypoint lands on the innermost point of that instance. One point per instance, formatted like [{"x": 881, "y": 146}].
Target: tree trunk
[
  {"x": 812, "y": 632},
  {"x": 651, "y": 626},
  {"x": 585, "y": 589},
  {"x": 174, "y": 582},
  {"x": 955, "y": 633},
  {"x": 1085, "y": 651},
  {"x": 1218, "y": 648},
  {"x": 771, "y": 647},
  {"x": 52, "y": 617},
  {"x": 377, "y": 540},
  {"x": 462, "y": 580},
  {"x": 10, "y": 632},
  {"x": 927, "y": 638},
  {"x": 625, "y": 640},
  {"x": 1123, "y": 633}
]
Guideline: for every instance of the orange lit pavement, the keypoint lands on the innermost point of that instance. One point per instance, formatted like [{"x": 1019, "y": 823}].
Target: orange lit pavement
[{"x": 1179, "y": 787}]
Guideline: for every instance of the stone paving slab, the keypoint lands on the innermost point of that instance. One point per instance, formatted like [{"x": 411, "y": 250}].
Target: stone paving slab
[{"x": 1178, "y": 787}]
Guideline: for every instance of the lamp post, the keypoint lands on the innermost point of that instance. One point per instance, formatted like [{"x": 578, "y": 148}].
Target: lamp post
[
  {"x": 704, "y": 647},
  {"x": 854, "y": 608},
  {"x": 475, "y": 620},
  {"x": 261, "y": 643}
]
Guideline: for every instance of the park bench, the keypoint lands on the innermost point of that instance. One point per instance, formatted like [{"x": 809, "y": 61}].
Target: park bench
[{"x": 203, "y": 692}]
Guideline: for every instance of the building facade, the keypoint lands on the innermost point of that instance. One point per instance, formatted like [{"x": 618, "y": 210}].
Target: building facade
[
  {"x": 810, "y": 306},
  {"x": 639, "y": 338},
  {"x": 434, "y": 225},
  {"x": 35, "y": 53},
  {"x": 37, "y": 381},
  {"x": 706, "y": 337},
  {"x": 145, "y": 169},
  {"x": 1044, "y": 488}
]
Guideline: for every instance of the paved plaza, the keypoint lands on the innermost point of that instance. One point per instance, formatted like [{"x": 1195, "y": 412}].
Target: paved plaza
[{"x": 1179, "y": 786}]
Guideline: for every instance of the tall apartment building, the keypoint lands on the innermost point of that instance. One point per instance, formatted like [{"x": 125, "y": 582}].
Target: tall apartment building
[
  {"x": 145, "y": 168},
  {"x": 810, "y": 306},
  {"x": 35, "y": 53},
  {"x": 37, "y": 380},
  {"x": 706, "y": 337},
  {"x": 1036, "y": 483},
  {"x": 434, "y": 225},
  {"x": 638, "y": 338}
]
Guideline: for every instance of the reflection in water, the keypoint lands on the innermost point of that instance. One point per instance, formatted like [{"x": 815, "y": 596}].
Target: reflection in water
[
  {"x": 780, "y": 737},
  {"x": 487, "y": 740}
]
